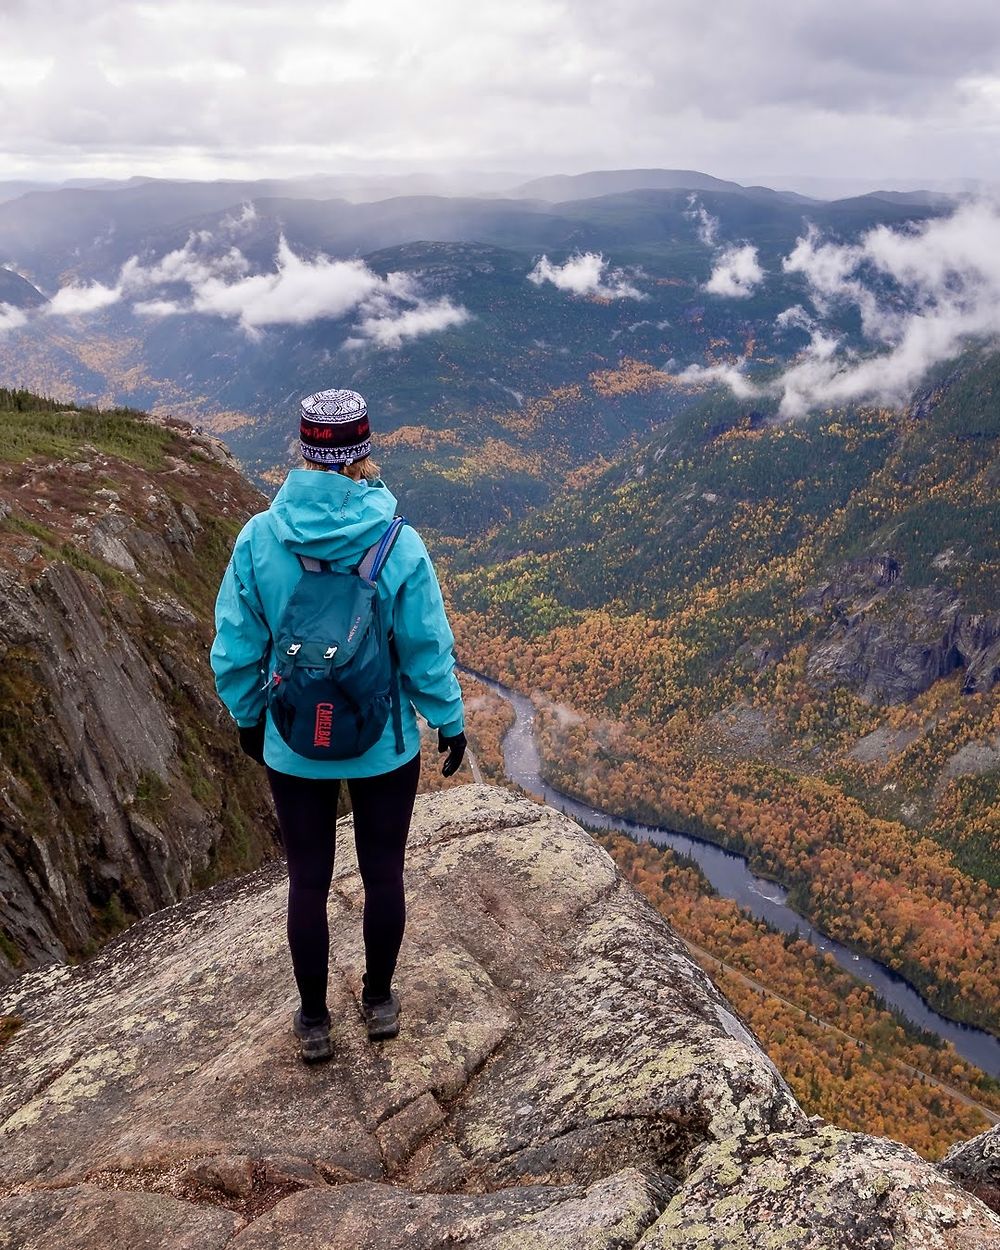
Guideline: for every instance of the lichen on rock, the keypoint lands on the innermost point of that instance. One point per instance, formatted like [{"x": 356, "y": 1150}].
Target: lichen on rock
[{"x": 565, "y": 1077}]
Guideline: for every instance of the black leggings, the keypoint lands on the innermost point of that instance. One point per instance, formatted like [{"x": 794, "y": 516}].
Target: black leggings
[{"x": 307, "y": 815}]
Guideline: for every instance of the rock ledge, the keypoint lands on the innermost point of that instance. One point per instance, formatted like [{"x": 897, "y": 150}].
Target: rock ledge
[{"x": 565, "y": 1077}]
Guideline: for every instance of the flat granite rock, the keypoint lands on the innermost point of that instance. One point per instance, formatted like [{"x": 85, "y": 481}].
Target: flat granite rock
[
  {"x": 612, "y": 1212},
  {"x": 83, "y": 1217},
  {"x": 565, "y": 1076}
]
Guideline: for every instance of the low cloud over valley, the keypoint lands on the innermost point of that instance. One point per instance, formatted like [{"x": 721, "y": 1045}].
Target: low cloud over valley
[
  {"x": 586, "y": 273},
  {"x": 201, "y": 279},
  {"x": 921, "y": 292}
]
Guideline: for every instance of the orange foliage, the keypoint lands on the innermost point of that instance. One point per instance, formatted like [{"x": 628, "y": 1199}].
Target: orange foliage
[
  {"x": 631, "y": 377},
  {"x": 845, "y": 1057}
]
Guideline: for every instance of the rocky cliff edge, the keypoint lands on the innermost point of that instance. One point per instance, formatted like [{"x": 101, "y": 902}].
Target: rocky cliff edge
[
  {"x": 121, "y": 785},
  {"x": 565, "y": 1077}
]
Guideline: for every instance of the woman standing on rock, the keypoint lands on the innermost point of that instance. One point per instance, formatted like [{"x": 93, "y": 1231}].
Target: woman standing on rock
[{"x": 327, "y": 571}]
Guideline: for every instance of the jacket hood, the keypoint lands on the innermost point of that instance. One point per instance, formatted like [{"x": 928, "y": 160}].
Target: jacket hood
[{"x": 330, "y": 517}]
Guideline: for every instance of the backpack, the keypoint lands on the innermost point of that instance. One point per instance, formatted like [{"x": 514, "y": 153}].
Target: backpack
[{"x": 335, "y": 681}]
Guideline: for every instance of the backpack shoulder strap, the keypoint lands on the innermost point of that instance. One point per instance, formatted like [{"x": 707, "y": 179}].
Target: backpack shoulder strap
[
  {"x": 375, "y": 557},
  {"x": 312, "y": 565}
]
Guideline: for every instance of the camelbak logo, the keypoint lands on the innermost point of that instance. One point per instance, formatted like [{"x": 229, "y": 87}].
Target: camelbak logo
[
  {"x": 354, "y": 628},
  {"x": 324, "y": 724}
]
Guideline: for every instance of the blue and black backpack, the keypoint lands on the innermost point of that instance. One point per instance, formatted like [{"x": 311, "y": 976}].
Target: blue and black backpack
[{"x": 335, "y": 681}]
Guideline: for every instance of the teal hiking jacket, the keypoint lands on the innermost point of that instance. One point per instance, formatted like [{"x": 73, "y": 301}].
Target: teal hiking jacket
[{"x": 330, "y": 517}]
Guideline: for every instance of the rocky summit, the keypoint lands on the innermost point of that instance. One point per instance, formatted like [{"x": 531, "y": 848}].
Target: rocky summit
[{"x": 565, "y": 1077}]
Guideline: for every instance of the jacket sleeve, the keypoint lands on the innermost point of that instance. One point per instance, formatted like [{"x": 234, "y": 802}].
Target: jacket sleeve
[
  {"x": 242, "y": 642},
  {"x": 425, "y": 646}
]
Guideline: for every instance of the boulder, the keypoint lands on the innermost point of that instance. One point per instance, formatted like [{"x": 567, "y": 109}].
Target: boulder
[{"x": 975, "y": 1164}]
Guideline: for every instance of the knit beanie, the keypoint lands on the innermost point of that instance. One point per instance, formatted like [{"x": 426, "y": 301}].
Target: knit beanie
[{"x": 334, "y": 427}]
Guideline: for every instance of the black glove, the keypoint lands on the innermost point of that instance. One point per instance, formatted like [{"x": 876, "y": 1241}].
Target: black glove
[
  {"x": 252, "y": 741},
  {"x": 455, "y": 747}
]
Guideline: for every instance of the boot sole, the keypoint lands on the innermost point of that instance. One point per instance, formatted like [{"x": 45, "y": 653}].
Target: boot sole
[
  {"x": 319, "y": 1055},
  {"x": 382, "y": 1033},
  {"x": 313, "y": 1049}
]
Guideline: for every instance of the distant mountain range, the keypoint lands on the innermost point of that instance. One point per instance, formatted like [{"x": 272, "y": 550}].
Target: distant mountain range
[
  {"x": 89, "y": 228},
  {"x": 559, "y": 187},
  {"x": 482, "y": 378}
]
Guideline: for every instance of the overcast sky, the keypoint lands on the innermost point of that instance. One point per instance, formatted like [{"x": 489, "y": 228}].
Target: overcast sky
[{"x": 874, "y": 89}]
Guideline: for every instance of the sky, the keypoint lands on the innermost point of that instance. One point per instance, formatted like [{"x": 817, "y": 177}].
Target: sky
[{"x": 891, "y": 91}]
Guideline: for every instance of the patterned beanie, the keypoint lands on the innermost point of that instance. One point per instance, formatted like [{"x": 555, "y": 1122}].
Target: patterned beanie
[{"x": 334, "y": 427}]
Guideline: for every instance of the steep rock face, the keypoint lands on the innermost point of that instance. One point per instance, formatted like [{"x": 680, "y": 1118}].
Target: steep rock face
[
  {"x": 565, "y": 1077},
  {"x": 976, "y": 1165},
  {"x": 890, "y": 642},
  {"x": 108, "y": 565}
]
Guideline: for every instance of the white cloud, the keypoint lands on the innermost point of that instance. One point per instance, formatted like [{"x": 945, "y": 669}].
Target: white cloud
[
  {"x": 737, "y": 272},
  {"x": 298, "y": 291},
  {"x": 71, "y": 300},
  {"x": 235, "y": 223},
  {"x": 827, "y": 267},
  {"x": 184, "y": 265},
  {"x": 11, "y": 317},
  {"x": 706, "y": 225},
  {"x": 938, "y": 289},
  {"x": 923, "y": 292},
  {"x": 586, "y": 273},
  {"x": 392, "y": 308},
  {"x": 795, "y": 317},
  {"x": 728, "y": 375},
  {"x": 426, "y": 318},
  {"x": 157, "y": 308}
]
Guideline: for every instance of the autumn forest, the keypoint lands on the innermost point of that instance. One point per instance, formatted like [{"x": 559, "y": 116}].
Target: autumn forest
[{"x": 783, "y": 637}]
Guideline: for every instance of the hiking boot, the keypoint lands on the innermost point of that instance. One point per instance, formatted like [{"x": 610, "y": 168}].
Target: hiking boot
[
  {"x": 381, "y": 1018},
  {"x": 314, "y": 1039}
]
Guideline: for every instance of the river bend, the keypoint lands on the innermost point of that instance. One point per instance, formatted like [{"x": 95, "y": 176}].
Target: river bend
[{"x": 731, "y": 876}]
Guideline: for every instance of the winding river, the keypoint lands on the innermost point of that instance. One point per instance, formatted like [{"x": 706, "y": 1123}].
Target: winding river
[{"x": 731, "y": 876}]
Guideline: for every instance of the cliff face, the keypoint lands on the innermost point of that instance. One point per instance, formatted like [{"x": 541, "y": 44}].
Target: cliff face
[
  {"x": 565, "y": 1077},
  {"x": 975, "y": 1164},
  {"x": 121, "y": 788},
  {"x": 891, "y": 643}
]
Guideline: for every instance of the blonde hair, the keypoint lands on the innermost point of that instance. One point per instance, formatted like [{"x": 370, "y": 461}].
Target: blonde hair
[{"x": 364, "y": 469}]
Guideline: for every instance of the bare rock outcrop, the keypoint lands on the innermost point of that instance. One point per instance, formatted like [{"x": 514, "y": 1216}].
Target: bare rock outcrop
[
  {"x": 975, "y": 1164},
  {"x": 565, "y": 1077},
  {"x": 890, "y": 641}
]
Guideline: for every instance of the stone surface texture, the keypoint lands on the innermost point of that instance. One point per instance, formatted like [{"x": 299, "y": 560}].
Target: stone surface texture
[
  {"x": 976, "y": 1165},
  {"x": 565, "y": 1077}
]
